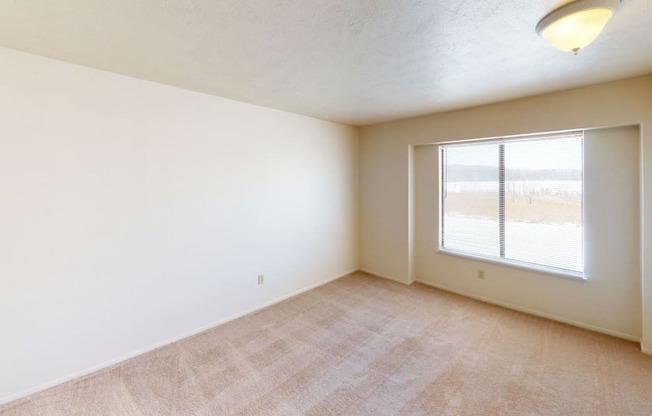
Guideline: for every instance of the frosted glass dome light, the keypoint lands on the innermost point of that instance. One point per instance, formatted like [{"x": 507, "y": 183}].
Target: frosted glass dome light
[{"x": 574, "y": 26}]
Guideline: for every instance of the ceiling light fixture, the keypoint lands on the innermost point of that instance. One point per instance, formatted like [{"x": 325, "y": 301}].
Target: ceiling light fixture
[{"x": 575, "y": 25}]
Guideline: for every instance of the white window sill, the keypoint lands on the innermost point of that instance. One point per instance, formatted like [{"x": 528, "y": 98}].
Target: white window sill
[{"x": 568, "y": 274}]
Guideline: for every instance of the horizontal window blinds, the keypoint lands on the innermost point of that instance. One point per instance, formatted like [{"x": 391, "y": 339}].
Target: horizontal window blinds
[{"x": 515, "y": 199}]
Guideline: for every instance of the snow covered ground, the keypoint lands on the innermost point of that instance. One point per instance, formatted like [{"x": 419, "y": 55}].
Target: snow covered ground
[{"x": 554, "y": 245}]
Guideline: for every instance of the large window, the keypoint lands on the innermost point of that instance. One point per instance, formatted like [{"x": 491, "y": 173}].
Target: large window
[{"x": 515, "y": 200}]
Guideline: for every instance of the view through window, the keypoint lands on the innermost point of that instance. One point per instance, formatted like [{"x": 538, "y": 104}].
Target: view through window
[{"x": 518, "y": 200}]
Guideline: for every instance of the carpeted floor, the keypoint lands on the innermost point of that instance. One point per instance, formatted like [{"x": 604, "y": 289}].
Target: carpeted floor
[{"x": 367, "y": 346}]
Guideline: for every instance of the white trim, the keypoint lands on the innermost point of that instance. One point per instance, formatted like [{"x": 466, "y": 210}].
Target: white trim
[
  {"x": 394, "y": 279},
  {"x": 553, "y": 271},
  {"x": 411, "y": 215},
  {"x": 513, "y": 139},
  {"x": 118, "y": 360},
  {"x": 536, "y": 313},
  {"x": 534, "y": 135},
  {"x": 647, "y": 351}
]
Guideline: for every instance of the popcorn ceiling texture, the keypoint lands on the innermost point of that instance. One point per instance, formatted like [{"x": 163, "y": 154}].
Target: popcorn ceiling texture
[
  {"x": 366, "y": 346},
  {"x": 356, "y": 62}
]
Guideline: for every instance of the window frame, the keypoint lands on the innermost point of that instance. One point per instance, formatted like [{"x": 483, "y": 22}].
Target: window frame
[{"x": 519, "y": 264}]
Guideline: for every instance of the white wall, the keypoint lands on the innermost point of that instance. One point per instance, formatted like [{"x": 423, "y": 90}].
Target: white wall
[
  {"x": 610, "y": 297},
  {"x": 133, "y": 213},
  {"x": 386, "y": 241}
]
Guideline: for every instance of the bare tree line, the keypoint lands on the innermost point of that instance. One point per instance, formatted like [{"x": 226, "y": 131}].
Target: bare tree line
[{"x": 479, "y": 173}]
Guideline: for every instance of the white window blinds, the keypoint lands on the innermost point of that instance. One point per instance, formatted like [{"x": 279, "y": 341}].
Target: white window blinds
[{"x": 517, "y": 200}]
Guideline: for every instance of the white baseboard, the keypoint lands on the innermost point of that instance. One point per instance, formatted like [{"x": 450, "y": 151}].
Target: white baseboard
[
  {"x": 385, "y": 276},
  {"x": 141, "y": 351},
  {"x": 536, "y": 313},
  {"x": 645, "y": 350}
]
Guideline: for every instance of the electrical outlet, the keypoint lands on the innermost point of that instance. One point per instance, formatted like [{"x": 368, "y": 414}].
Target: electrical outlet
[
  {"x": 261, "y": 279},
  {"x": 480, "y": 274}
]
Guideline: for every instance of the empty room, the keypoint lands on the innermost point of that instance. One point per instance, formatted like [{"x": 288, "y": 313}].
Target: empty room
[{"x": 364, "y": 207}]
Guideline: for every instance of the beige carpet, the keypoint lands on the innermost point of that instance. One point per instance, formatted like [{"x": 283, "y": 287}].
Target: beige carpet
[{"x": 366, "y": 346}]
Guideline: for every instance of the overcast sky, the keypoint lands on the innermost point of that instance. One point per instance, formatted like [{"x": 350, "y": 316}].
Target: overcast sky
[{"x": 564, "y": 154}]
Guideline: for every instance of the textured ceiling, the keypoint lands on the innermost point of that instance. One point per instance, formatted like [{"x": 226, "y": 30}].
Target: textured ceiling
[{"x": 358, "y": 62}]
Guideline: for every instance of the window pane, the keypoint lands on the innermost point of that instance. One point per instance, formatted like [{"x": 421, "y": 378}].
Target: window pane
[
  {"x": 543, "y": 202},
  {"x": 470, "y": 199}
]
